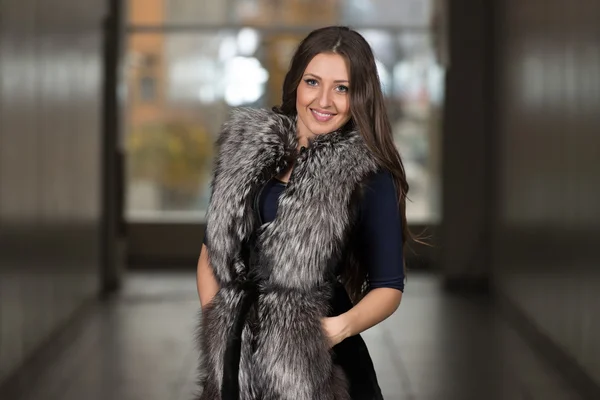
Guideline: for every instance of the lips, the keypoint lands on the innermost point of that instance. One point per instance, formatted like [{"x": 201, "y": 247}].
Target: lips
[{"x": 322, "y": 116}]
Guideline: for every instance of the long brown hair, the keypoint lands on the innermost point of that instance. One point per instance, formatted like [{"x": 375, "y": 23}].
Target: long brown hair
[{"x": 368, "y": 111}]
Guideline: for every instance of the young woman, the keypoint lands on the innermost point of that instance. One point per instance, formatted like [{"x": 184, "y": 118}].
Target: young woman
[{"x": 304, "y": 243}]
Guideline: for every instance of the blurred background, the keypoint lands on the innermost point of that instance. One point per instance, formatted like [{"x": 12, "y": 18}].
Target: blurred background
[
  {"x": 108, "y": 114},
  {"x": 185, "y": 64},
  {"x": 188, "y": 62}
]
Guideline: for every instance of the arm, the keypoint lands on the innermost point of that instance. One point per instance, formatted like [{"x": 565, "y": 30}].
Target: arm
[
  {"x": 374, "y": 308},
  {"x": 205, "y": 279},
  {"x": 381, "y": 249}
]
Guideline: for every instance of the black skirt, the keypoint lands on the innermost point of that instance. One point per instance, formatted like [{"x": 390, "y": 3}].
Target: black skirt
[{"x": 353, "y": 356}]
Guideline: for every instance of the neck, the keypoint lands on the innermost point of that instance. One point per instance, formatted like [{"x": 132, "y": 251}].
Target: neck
[
  {"x": 303, "y": 136},
  {"x": 303, "y": 141}
]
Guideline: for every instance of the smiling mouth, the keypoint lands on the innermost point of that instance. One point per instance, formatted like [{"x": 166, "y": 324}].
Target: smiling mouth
[{"x": 321, "y": 116}]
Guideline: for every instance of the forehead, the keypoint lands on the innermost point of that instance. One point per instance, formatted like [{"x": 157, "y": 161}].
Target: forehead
[{"x": 328, "y": 65}]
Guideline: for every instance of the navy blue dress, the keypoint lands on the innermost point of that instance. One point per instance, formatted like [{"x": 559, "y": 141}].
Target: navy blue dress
[{"x": 380, "y": 236}]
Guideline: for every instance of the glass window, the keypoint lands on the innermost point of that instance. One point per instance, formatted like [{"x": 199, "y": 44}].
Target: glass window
[
  {"x": 413, "y": 84},
  {"x": 187, "y": 81},
  {"x": 388, "y": 13},
  {"x": 147, "y": 88}
]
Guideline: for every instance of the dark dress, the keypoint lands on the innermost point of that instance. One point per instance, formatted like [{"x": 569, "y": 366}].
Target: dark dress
[{"x": 379, "y": 233}]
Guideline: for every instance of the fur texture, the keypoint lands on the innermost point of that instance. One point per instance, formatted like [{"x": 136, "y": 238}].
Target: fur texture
[{"x": 284, "y": 352}]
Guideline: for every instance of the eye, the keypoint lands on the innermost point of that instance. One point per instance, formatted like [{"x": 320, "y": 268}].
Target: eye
[
  {"x": 342, "y": 88},
  {"x": 311, "y": 82}
]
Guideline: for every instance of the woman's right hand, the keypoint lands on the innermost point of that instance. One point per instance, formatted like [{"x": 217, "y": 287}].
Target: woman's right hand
[{"x": 205, "y": 279}]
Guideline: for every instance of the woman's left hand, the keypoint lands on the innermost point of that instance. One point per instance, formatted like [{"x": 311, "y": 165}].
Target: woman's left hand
[{"x": 336, "y": 329}]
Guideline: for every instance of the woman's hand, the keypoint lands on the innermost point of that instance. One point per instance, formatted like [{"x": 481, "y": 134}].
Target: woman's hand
[
  {"x": 205, "y": 279},
  {"x": 336, "y": 329},
  {"x": 376, "y": 306}
]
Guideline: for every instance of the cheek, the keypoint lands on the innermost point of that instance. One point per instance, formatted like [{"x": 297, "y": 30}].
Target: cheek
[
  {"x": 345, "y": 106},
  {"x": 301, "y": 97}
]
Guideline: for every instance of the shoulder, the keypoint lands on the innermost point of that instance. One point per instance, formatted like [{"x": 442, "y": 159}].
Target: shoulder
[
  {"x": 247, "y": 118},
  {"x": 247, "y": 122},
  {"x": 253, "y": 134},
  {"x": 380, "y": 182},
  {"x": 379, "y": 196}
]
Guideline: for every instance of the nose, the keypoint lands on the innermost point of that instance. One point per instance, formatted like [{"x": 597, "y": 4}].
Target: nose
[{"x": 324, "y": 98}]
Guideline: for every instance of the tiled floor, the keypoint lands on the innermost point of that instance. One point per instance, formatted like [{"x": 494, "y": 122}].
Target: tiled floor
[{"x": 140, "y": 346}]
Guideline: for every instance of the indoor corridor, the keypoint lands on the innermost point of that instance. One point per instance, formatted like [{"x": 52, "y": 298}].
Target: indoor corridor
[
  {"x": 140, "y": 346},
  {"x": 109, "y": 113}
]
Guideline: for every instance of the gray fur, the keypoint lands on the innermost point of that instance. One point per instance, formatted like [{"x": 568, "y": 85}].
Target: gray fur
[{"x": 291, "y": 359}]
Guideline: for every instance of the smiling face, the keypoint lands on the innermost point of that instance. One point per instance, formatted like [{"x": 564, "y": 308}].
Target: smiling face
[{"x": 322, "y": 97}]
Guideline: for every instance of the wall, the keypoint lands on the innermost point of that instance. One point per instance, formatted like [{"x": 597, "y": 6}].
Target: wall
[
  {"x": 50, "y": 168},
  {"x": 521, "y": 155},
  {"x": 547, "y": 191},
  {"x": 466, "y": 170}
]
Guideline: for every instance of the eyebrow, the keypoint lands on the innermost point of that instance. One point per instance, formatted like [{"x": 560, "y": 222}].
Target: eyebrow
[{"x": 318, "y": 77}]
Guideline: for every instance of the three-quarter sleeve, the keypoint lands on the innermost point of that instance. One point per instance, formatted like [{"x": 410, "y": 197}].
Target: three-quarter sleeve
[{"x": 380, "y": 230}]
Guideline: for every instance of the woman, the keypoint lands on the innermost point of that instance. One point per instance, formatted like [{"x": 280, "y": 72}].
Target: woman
[{"x": 305, "y": 230}]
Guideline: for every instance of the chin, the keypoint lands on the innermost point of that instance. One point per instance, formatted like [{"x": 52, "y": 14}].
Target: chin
[
  {"x": 317, "y": 127},
  {"x": 322, "y": 129}
]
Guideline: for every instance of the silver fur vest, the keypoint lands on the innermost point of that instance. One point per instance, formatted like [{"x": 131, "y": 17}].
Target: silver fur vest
[{"x": 261, "y": 336}]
